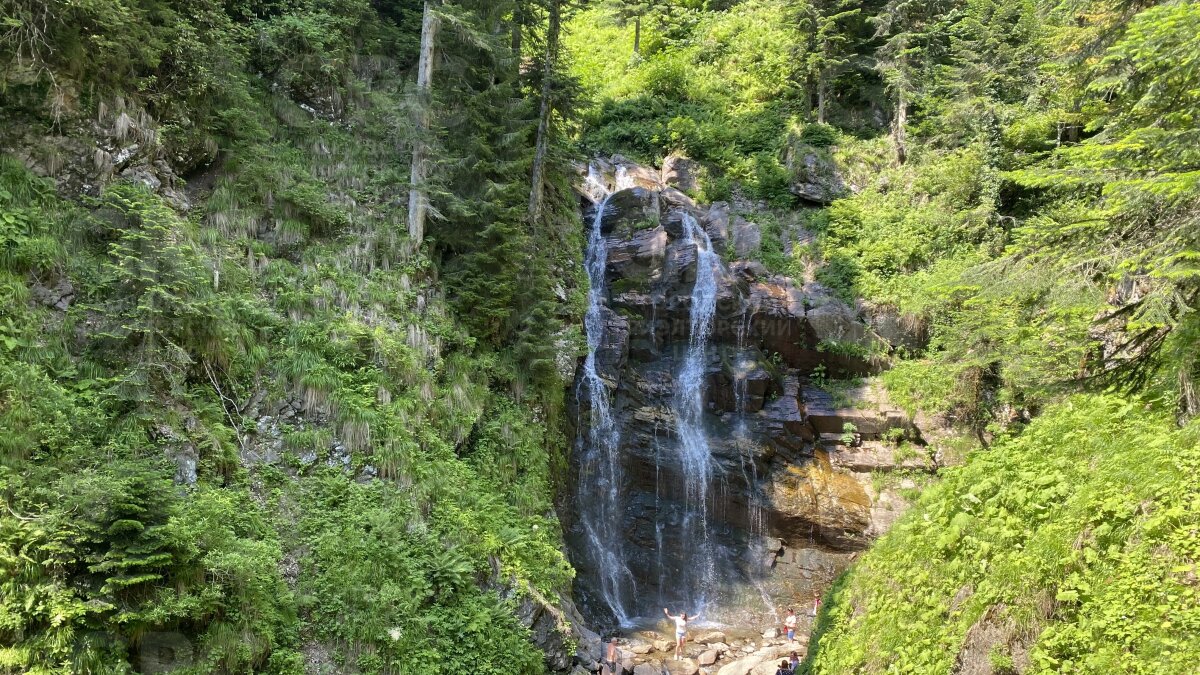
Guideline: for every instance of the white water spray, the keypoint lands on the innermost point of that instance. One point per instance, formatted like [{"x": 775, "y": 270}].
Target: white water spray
[
  {"x": 601, "y": 464},
  {"x": 695, "y": 455}
]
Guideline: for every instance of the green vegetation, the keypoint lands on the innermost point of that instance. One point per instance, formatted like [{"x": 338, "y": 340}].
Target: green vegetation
[
  {"x": 1073, "y": 544},
  {"x": 714, "y": 85},
  {"x": 241, "y": 418},
  {"x": 1022, "y": 186},
  {"x": 250, "y": 413}
]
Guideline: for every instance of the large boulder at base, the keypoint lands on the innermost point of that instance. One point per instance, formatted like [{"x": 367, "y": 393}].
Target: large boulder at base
[{"x": 764, "y": 660}]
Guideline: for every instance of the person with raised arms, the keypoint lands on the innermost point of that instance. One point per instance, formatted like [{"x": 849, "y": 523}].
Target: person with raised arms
[{"x": 681, "y": 622}]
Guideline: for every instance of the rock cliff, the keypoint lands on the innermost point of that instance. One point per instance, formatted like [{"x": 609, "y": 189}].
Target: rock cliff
[{"x": 797, "y": 429}]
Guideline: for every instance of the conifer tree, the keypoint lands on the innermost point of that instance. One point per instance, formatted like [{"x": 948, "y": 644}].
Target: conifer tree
[{"x": 914, "y": 33}]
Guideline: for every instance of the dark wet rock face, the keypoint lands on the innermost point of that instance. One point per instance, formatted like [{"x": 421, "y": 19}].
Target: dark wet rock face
[{"x": 791, "y": 495}]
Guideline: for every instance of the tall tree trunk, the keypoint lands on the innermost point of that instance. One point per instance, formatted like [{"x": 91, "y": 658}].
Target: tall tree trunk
[
  {"x": 517, "y": 28},
  {"x": 822, "y": 95},
  {"x": 418, "y": 201},
  {"x": 537, "y": 191},
  {"x": 637, "y": 35},
  {"x": 899, "y": 136}
]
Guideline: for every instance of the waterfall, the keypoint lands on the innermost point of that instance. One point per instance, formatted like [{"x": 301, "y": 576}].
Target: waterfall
[
  {"x": 600, "y": 469},
  {"x": 698, "y": 553}
]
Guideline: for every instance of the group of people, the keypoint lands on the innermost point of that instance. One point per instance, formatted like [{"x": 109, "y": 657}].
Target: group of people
[
  {"x": 786, "y": 667},
  {"x": 789, "y": 666}
]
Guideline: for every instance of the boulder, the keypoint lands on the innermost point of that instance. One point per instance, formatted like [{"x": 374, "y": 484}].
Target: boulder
[
  {"x": 716, "y": 224},
  {"x": 637, "y": 259},
  {"x": 627, "y": 211},
  {"x": 711, "y": 637},
  {"x": 709, "y": 657},
  {"x": 834, "y": 320},
  {"x": 770, "y": 633},
  {"x": 664, "y": 646},
  {"x": 680, "y": 172},
  {"x": 674, "y": 199},
  {"x": 898, "y": 330},
  {"x": 58, "y": 294},
  {"x": 683, "y": 667},
  {"x": 777, "y": 321},
  {"x": 765, "y": 660},
  {"x": 816, "y": 178},
  {"x": 646, "y": 669},
  {"x": 638, "y": 175},
  {"x": 748, "y": 271},
  {"x": 747, "y": 238}
]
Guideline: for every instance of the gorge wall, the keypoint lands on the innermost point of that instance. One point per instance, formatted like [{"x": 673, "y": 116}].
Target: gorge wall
[{"x": 728, "y": 431}]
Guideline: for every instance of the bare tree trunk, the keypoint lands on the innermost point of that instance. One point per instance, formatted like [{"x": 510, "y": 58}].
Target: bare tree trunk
[
  {"x": 1189, "y": 398},
  {"x": 418, "y": 201},
  {"x": 637, "y": 35},
  {"x": 899, "y": 136},
  {"x": 822, "y": 94},
  {"x": 537, "y": 191}
]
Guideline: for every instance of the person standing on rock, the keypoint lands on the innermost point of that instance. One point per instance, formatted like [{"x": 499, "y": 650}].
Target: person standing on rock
[
  {"x": 783, "y": 669},
  {"x": 681, "y": 622},
  {"x": 794, "y": 661},
  {"x": 816, "y": 603},
  {"x": 789, "y": 625}
]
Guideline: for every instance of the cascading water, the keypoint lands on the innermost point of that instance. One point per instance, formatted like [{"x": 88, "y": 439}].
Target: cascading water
[
  {"x": 698, "y": 563},
  {"x": 600, "y": 470}
]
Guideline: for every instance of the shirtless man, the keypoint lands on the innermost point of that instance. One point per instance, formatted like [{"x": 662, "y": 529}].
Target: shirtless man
[{"x": 681, "y": 622}]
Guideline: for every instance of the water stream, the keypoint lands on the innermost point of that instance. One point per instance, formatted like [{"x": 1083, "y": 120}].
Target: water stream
[
  {"x": 600, "y": 470},
  {"x": 697, "y": 581},
  {"x": 688, "y": 553}
]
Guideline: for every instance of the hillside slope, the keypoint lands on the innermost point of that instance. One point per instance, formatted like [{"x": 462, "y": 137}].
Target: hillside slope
[{"x": 250, "y": 425}]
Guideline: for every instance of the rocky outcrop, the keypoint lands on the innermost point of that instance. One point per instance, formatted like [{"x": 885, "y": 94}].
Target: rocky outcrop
[
  {"x": 816, "y": 178},
  {"x": 793, "y": 452},
  {"x": 681, "y": 173}
]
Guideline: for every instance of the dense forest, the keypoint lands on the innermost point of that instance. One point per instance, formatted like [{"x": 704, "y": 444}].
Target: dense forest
[{"x": 291, "y": 296}]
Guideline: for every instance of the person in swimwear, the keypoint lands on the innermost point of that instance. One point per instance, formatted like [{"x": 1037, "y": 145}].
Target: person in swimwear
[{"x": 681, "y": 622}]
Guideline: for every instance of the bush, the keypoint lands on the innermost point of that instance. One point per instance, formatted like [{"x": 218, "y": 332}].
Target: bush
[{"x": 818, "y": 135}]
